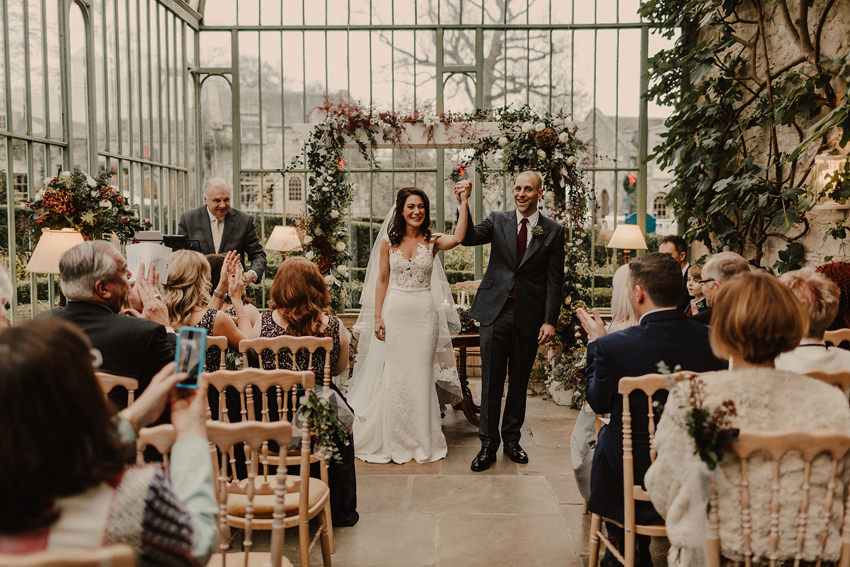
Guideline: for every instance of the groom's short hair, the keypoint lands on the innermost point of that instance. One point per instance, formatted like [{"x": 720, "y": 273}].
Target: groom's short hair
[
  {"x": 660, "y": 276},
  {"x": 538, "y": 179}
]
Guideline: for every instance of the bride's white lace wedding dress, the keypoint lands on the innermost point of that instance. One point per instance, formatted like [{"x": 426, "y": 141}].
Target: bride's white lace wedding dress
[{"x": 397, "y": 410}]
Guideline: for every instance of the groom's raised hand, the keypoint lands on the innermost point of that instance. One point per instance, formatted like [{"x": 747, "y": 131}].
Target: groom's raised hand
[{"x": 461, "y": 188}]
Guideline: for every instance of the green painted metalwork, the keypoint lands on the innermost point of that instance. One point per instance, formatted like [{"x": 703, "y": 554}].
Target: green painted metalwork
[{"x": 144, "y": 81}]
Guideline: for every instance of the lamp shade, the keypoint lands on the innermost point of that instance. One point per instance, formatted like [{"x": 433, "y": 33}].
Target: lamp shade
[
  {"x": 628, "y": 237},
  {"x": 284, "y": 239},
  {"x": 50, "y": 247}
]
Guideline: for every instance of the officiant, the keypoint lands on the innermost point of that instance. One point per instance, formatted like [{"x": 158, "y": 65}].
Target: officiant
[{"x": 219, "y": 228}]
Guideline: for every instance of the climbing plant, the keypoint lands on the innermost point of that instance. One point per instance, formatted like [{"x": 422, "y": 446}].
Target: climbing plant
[{"x": 746, "y": 104}]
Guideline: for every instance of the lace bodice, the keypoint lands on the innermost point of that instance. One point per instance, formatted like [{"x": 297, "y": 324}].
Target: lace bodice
[{"x": 413, "y": 273}]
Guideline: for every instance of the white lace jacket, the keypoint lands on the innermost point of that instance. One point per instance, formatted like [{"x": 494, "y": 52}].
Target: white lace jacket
[{"x": 765, "y": 399}]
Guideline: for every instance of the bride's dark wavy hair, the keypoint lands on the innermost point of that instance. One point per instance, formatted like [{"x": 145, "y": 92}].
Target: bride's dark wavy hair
[{"x": 398, "y": 225}]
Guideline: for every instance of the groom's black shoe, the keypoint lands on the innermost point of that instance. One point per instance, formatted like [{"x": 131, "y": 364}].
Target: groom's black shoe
[
  {"x": 515, "y": 452},
  {"x": 485, "y": 457}
]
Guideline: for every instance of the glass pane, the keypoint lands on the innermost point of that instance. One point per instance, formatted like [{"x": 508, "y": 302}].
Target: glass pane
[
  {"x": 79, "y": 104},
  {"x": 337, "y": 12},
  {"x": 460, "y": 93},
  {"x": 337, "y": 65},
  {"x": 215, "y": 49},
  {"x": 37, "y": 85},
  {"x": 15, "y": 14},
  {"x": 248, "y": 13},
  {"x": 270, "y": 12},
  {"x": 219, "y": 13}
]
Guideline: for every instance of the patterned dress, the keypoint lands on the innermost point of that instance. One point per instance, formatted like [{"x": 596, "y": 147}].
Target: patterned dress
[
  {"x": 341, "y": 476},
  {"x": 268, "y": 328},
  {"x": 213, "y": 360}
]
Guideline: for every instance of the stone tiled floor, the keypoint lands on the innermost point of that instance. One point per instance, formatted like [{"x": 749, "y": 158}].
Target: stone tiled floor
[{"x": 443, "y": 515}]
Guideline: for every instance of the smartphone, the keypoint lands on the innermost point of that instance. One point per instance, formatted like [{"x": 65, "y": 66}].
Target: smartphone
[{"x": 190, "y": 354}]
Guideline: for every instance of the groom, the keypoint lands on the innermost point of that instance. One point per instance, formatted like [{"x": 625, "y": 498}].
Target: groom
[{"x": 517, "y": 305}]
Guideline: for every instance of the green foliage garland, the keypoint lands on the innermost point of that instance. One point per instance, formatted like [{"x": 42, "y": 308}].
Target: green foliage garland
[
  {"x": 527, "y": 140},
  {"x": 736, "y": 184}
]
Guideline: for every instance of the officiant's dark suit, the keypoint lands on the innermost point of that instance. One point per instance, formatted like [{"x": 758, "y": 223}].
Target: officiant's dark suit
[
  {"x": 518, "y": 294},
  {"x": 665, "y": 335},
  {"x": 238, "y": 232}
]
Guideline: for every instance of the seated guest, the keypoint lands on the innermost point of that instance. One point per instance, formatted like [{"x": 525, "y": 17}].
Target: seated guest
[
  {"x": 677, "y": 248},
  {"x": 662, "y": 334},
  {"x": 839, "y": 273},
  {"x": 223, "y": 265},
  {"x": 622, "y": 314},
  {"x": 68, "y": 487},
  {"x": 716, "y": 271},
  {"x": 583, "y": 437},
  {"x": 819, "y": 297},
  {"x": 751, "y": 336},
  {"x": 695, "y": 290},
  {"x": 300, "y": 306},
  {"x": 5, "y": 297},
  {"x": 187, "y": 299},
  {"x": 95, "y": 281}
]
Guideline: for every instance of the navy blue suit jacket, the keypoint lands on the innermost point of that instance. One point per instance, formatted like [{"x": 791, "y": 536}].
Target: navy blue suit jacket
[{"x": 666, "y": 336}]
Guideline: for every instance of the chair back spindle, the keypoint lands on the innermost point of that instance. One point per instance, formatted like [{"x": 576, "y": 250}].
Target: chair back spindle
[
  {"x": 294, "y": 345},
  {"x": 109, "y": 382},
  {"x": 776, "y": 446},
  {"x": 219, "y": 342}
]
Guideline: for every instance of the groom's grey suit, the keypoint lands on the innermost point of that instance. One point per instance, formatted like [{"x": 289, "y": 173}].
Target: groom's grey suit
[{"x": 510, "y": 326}]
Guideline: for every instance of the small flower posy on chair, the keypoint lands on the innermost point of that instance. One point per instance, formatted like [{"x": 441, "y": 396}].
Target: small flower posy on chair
[{"x": 711, "y": 430}]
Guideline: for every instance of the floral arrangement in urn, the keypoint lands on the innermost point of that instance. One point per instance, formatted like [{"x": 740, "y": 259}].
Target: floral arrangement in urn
[{"x": 73, "y": 199}]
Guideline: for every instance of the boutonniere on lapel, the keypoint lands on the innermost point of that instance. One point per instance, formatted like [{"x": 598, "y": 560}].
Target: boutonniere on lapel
[{"x": 537, "y": 231}]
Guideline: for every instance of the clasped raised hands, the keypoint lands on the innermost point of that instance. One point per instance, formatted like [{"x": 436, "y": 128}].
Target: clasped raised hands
[{"x": 463, "y": 189}]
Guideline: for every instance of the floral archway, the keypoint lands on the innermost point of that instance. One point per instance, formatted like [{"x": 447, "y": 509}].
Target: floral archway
[{"x": 505, "y": 140}]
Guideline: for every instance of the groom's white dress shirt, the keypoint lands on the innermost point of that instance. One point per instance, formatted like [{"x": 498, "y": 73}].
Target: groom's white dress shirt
[{"x": 532, "y": 222}]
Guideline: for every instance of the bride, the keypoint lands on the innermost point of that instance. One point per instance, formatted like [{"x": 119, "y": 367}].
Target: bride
[{"x": 408, "y": 307}]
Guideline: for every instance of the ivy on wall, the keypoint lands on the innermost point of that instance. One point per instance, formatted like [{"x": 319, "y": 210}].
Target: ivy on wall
[{"x": 744, "y": 100}]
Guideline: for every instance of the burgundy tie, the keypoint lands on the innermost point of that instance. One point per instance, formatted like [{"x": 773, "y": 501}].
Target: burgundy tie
[{"x": 522, "y": 239}]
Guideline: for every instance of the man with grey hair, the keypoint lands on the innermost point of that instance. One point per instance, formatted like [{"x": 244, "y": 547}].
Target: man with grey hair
[
  {"x": 219, "y": 229},
  {"x": 719, "y": 268},
  {"x": 96, "y": 283}
]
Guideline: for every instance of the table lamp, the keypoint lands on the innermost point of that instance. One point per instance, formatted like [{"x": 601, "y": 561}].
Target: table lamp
[
  {"x": 628, "y": 237},
  {"x": 284, "y": 239},
  {"x": 50, "y": 247}
]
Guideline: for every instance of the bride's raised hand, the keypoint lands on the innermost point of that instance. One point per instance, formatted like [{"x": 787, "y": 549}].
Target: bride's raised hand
[{"x": 380, "y": 330}]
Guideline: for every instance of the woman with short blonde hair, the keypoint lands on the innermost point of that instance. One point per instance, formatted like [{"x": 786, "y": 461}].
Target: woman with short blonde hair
[{"x": 755, "y": 319}]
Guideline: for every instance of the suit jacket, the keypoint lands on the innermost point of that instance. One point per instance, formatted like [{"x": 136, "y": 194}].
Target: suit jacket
[
  {"x": 239, "y": 233},
  {"x": 661, "y": 336},
  {"x": 704, "y": 316},
  {"x": 684, "y": 296},
  {"x": 130, "y": 346},
  {"x": 538, "y": 279}
]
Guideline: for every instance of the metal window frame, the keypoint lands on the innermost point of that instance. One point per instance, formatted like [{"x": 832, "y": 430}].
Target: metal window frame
[{"x": 117, "y": 54}]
